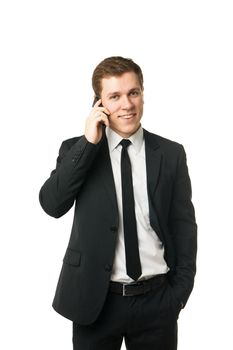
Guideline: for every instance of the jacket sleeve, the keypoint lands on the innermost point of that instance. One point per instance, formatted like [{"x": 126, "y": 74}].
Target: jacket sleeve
[
  {"x": 183, "y": 229},
  {"x": 58, "y": 193}
]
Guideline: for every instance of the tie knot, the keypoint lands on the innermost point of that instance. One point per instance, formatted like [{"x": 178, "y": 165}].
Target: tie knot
[{"x": 125, "y": 143}]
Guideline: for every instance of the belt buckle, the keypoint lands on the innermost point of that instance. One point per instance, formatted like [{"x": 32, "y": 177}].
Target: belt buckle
[
  {"x": 124, "y": 290},
  {"x": 125, "y": 294}
]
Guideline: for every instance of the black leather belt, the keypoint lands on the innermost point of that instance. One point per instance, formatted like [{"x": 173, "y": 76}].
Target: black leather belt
[{"x": 137, "y": 288}]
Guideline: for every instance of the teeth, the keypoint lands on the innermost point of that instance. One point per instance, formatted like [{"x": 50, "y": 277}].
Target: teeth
[{"x": 127, "y": 116}]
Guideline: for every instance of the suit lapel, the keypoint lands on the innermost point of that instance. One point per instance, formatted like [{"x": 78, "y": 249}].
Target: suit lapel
[
  {"x": 153, "y": 168},
  {"x": 153, "y": 162},
  {"x": 105, "y": 172}
]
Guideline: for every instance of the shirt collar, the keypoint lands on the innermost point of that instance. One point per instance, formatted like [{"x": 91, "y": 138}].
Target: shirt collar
[{"x": 114, "y": 139}]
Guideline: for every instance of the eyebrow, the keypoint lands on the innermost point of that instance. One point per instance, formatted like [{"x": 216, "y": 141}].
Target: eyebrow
[{"x": 118, "y": 92}]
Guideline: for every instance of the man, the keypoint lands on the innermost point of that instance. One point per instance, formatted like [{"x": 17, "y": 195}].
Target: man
[{"x": 130, "y": 263}]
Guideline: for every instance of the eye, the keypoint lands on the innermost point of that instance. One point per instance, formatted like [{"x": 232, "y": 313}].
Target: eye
[
  {"x": 114, "y": 97},
  {"x": 134, "y": 93}
]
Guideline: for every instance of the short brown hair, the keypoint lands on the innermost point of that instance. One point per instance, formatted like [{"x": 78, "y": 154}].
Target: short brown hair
[{"x": 114, "y": 66}]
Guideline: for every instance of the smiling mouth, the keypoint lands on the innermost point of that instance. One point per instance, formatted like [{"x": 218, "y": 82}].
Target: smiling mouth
[{"x": 127, "y": 116}]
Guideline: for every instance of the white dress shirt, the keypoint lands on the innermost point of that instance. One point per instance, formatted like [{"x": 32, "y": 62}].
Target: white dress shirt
[{"x": 150, "y": 248}]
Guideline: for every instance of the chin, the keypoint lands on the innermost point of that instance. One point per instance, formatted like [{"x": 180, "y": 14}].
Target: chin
[{"x": 128, "y": 132}]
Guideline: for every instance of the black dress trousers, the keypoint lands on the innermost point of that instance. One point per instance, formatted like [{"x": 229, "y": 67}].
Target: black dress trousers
[{"x": 146, "y": 322}]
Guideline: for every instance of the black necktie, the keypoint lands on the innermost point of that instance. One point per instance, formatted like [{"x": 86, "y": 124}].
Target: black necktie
[{"x": 133, "y": 265}]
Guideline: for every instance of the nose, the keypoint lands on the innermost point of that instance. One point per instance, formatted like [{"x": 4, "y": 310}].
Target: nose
[{"x": 126, "y": 102}]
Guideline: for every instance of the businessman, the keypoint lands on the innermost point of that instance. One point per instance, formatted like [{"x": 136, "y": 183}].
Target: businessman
[{"x": 130, "y": 263}]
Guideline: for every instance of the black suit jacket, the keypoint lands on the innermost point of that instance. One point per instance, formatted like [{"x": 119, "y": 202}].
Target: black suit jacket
[{"x": 84, "y": 175}]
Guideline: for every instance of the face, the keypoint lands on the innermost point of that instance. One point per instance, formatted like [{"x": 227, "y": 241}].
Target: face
[{"x": 123, "y": 97}]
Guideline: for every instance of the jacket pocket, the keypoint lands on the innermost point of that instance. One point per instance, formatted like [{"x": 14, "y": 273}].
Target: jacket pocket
[{"x": 72, "y": 257}]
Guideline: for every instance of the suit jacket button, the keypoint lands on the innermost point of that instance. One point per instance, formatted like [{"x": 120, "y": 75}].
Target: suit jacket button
[
  {"x": 108, "y": 267},
  {"x": 113, "y": 228}
]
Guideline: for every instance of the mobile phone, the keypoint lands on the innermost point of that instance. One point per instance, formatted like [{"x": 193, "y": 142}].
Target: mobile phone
[{"x": 97, "y": 98}]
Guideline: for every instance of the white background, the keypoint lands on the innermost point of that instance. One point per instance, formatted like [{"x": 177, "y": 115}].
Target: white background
[{"x": 48, "y": 52}]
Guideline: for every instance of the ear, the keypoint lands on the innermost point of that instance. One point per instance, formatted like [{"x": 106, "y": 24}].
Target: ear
[{"x": 143, "y": 96}]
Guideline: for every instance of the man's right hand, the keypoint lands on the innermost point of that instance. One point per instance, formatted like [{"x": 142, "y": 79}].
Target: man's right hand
[{"x": 97, "y": 117}]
